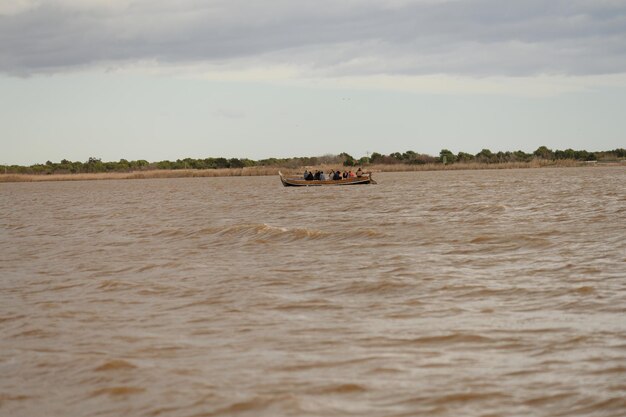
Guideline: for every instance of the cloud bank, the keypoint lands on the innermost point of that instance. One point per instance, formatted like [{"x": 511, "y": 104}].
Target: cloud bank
[{"x": 475, "y": 38}]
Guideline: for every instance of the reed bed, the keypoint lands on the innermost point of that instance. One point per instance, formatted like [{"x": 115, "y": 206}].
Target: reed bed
[
  {"x": 147, "y": 174},
  {"x": 264, "y": 171}
]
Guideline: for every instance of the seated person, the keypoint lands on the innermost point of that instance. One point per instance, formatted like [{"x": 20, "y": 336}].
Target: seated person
[
  {"x": 351, "y": 174},
  {"x": 322, "y": 176},
  {"x": 309, "y": 176},
  {"x": 359, "y": 172},
  {"x": 317, "y": 175},
  {"x": 337, "y": 175}
]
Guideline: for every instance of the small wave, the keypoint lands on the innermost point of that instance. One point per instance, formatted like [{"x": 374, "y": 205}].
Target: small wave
[
  {"x": 309, "y": 305},
  {"x": 450, "y": 339},
  {"x": 538, "y": 330},
  {"x": 385, "y": 370},
  {"x": 563, "y": 345},
  {"x": 381, "y": 287},
  {"x": 475, "y": 291},
  {"x": 148, "y": 267},
  {"x": 470, "y": 208},
  {"x": 262, "y": 233},
  {"x": 14, "y": 227},
  {"x": 486, "y": 208},
  {"x": 326, "y": 364},
  {"x": 7, "y": 397},
  {"x": 258, "y": 404},
  {"x": 546, "y": 399},
  {"x": 584, "y": 290},
  {"x": 444, "y": 208},
  {"x": 121, "y": 391},
  {"x": 619, "y": 369},
  {"x": 35, "y": 333},
  {"x": 466, "y": 397},
  {"x": 115, "y": 365},
  {"x": 63, "y": 287},
  {"x": 341, "y": 389},
  {"x": 363, "y": 233},
  {"x": 617, "y": 404},
  {"x": 114, "y": 285},
  {"x": 8, "y": 318},
  {"x": 175, "y": 234},
  {"x": 513, "y": 241},
  {"x": 168, "y": 233},
  {"x": 455, "y": 338}
]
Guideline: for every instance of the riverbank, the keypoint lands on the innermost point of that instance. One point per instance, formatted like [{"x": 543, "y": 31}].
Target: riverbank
[{"x": 264, "y": 171}]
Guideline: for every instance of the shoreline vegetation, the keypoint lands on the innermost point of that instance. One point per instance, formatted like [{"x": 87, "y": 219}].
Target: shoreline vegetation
[{"x": 95, "y": 169}]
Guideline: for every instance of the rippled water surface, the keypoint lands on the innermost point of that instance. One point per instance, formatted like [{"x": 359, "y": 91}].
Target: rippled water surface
[{"x": 475, "y": 293}]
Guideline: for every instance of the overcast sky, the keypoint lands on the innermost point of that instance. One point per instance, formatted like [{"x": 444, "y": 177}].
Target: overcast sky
[{"x": 157, "y": 79}]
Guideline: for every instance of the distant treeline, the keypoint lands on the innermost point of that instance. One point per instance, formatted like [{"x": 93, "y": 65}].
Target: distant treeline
[{"x": 408, "y": 157}]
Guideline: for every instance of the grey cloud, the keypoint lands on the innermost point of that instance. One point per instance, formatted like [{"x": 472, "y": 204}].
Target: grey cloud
[{"x": 466, "y": 37}]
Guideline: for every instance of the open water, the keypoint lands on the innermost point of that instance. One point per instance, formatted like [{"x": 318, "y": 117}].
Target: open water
[{"x": 467, "y": 293}]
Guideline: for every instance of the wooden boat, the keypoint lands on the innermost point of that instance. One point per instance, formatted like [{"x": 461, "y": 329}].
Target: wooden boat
[{"x": 301, "y": 182}]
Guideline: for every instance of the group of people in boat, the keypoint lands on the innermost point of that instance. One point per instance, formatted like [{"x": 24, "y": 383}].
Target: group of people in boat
[{"x": 332, "y": 175}]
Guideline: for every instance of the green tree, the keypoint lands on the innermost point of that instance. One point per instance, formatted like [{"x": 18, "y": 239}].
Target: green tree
[
  {"x": 348, "y": 160},
  {"x": 221, "y": 163},
  {"x": 566, "y": 154},
  {"x": 141, "y": 163},
  {"x": 544, "y": 153},
  {"x": 521, "y": 156},
  {"x": 447, "y": 156},
  {"x": 248, "y": 162},
  {"x": 235, "y": 163},
  {"x": 123, "y": 165},
  {"x": 485, "y": 156},
  {"x": 409, "y": 156},
  {"x": 376, "y": 157},
  {"x": 464, "y": 157},
  {"x": 94, "y": 165},
  {"x": 581, "y": 155},
  {"x": 164, "y": 165}
]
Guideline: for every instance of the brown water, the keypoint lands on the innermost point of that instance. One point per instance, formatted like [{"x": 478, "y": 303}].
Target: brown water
[{"x": 476, "y": 293}]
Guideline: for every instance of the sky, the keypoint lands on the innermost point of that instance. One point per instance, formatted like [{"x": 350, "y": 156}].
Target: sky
[{"x": 170, "y": 79}]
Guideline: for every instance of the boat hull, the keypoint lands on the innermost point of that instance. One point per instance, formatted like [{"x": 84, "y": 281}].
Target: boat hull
[{"x": 297, "y": 182}]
